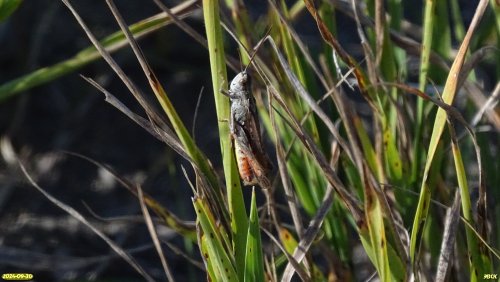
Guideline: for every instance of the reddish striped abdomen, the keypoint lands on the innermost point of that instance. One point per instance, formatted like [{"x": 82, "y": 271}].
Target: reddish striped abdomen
[{"x": 244, "y": 167}]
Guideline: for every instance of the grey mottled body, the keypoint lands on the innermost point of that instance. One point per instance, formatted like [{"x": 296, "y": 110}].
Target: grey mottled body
[{"x": 253, "y": 163}]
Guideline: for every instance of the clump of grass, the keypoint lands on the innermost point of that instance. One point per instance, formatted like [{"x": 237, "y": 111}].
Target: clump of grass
[{"x": 339, "y": 171}]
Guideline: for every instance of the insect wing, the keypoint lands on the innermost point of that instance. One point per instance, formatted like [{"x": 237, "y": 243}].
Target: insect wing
[{"x": 251, "y": 169}]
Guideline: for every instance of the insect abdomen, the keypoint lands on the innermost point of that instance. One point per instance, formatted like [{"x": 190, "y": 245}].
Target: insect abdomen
[{"x": 244, "y": 167}]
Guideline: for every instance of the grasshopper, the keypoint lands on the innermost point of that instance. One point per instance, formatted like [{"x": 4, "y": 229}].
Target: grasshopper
[{"x": 253, "y": 163}]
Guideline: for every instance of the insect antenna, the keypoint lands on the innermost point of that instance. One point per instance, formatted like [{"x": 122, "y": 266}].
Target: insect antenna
[
  {"x": 238, "y": 41},
  {"x": 240, "y": 57},
  {"x": 256, "y": 49},
  {"x": 252, "y": 55}
]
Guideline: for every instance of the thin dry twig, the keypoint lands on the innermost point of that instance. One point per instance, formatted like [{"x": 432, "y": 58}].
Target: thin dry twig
[
  {"x": 124, "y": 219},
  {"x": 291, "y": 260},
  {"x": 163, "y": 134},
  {"x": 179, "y": 252},
  {"x": 154, "y": 235},
  {"x": 336, "y": 185},
  {"x": 488, "y": 106},
  {"x": 121, "y": 252},
  {"x": 285, "y": 178},
  {"x": 310, "y": 101},
  {"x": 181, "y": 24},
  {"x": 301, "y": 45},
  {"x": 449, "y": 236},
  {"x": 379, "y": 30},
  {"x": 472, "y": 62},
  {"x": 33, "y": 260},
  {"x": 333, "y": 93},
  {"x": 196, "y": 110},
  {"x": 414, "y": 48},
  {"x": 138, "y": 95},
  {"x": 230, "y": 61},
  {"x": 464, "y": 221},
  {"x": 188, "y": 226}
]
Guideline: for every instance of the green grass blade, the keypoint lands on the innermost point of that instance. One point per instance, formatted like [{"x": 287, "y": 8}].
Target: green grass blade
[
  {"x": 327, "y": 12},
  {"x": 477, "y": 267},
  {"x": 185, "y": 137},
  {"x": 218, "y": 253},
  {"x": 239, "y": 219},
  {"x": 254, "y": 265},
  {"x": 456, "y": 15},
  {"x": 441, "y": 42},
  {"x": 496, "y": 10},
  {"x": 369, "y": 152},
  {"x": 422, "y": 82},
  {"x": 376, "y": 230}
]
